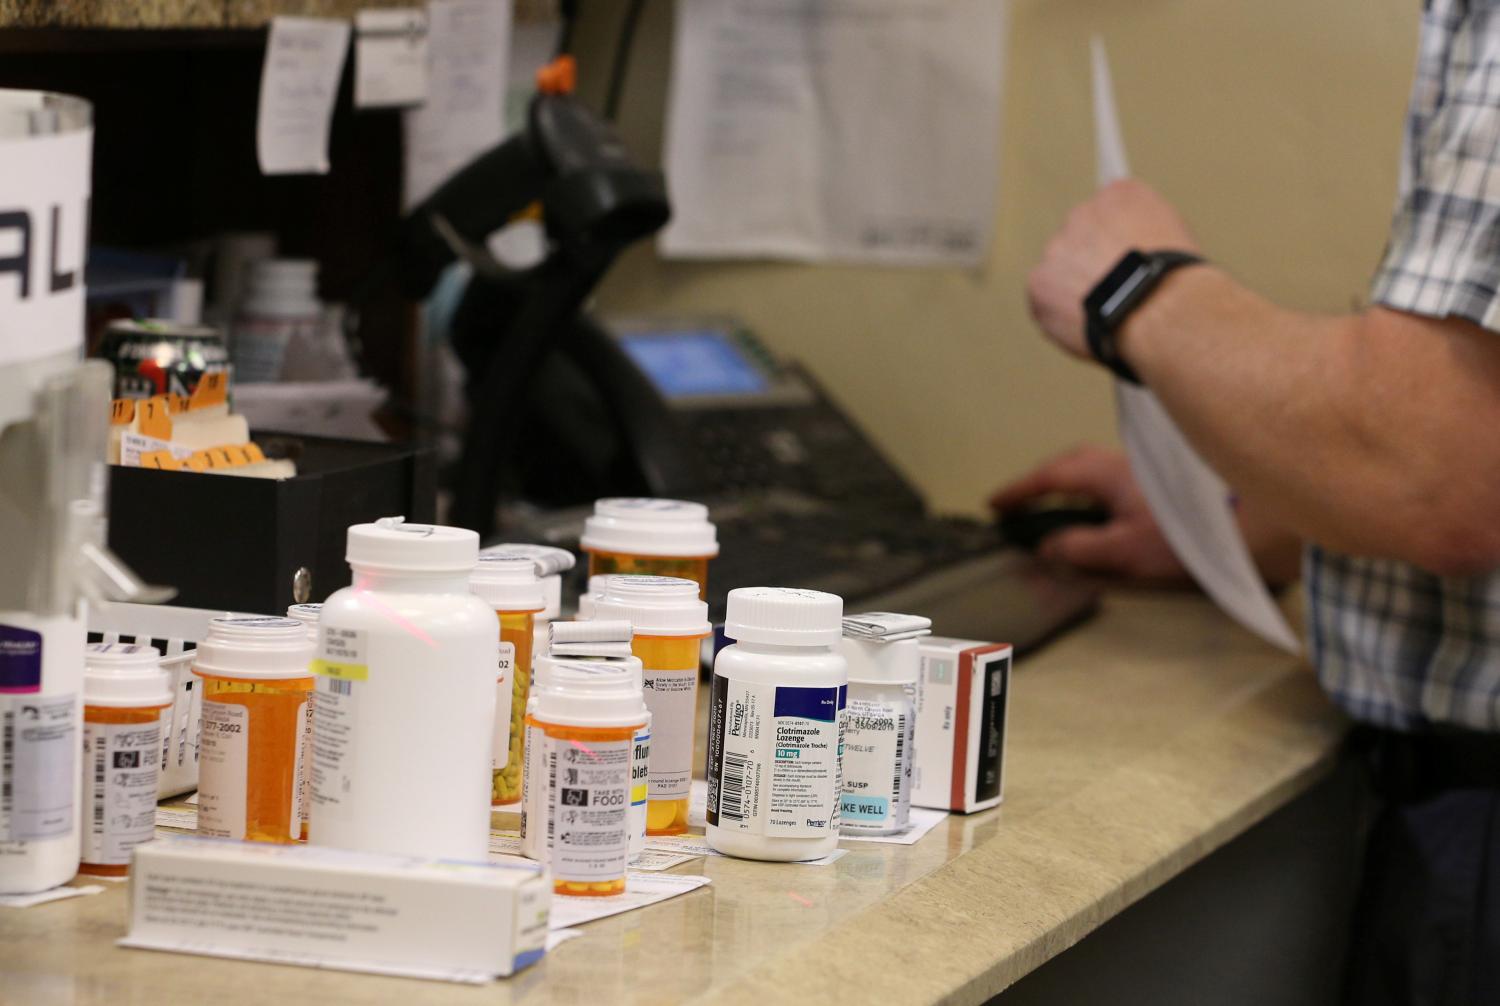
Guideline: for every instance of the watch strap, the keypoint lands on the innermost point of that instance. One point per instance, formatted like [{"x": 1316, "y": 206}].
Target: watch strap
[{"x": 1101, "y": 328}]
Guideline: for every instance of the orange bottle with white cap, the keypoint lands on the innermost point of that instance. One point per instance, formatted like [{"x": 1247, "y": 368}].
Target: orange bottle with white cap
[
  {"x": 508, "y": 583},
  {"x": 124, "y": 692},
  {"x": 669, "y": 623},
  {"x": 656, "y": 537},
  {"x": 256, "y": 683}
]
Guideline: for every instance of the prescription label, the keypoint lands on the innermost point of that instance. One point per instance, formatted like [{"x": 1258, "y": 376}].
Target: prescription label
[
  {"x": 590, "y": 798},
  {"x": 672, "y": 697},
  {"x": 223, "y": 769},
  {"x": 540, "y": 771},
  {"x": 38, "y": 766},
  {"x": 121, "y": 764},
  {"x": 774, "y": 758},
  {"x": 342, "y": 671},
  {"x": 302, "y": 770},
  {"x": 877, "y": 766},
  {"x": 640, "y": 779},
  {"x": 504, "y": 701}
]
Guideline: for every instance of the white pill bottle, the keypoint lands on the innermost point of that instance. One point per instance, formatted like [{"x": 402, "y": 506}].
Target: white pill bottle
[
  {"x": 775, "y": 726},
  {"x": 404, "y": 714},
  {"x": 878, "y": 728}
]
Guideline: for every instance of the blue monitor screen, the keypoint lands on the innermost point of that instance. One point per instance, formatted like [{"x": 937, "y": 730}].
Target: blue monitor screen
[{"x": 687, "y": 363}]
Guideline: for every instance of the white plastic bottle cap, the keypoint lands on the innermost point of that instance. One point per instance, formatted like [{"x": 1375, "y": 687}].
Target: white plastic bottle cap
[
  {"x": 125, "y": 675},
  {"x": 392, "y": 545},
  {"x": 587, "y": 598},
  {"x": 591, "y": 693},
  {"x": 507, "y": 582},
  {"x": 785, "y": 616},
  {"x": 255, "y": 648},
  {"x": 308, "y": 615},
  {"x": 551, "y": 563},
  {"x": 654, "y": 605},
  {"x": 876, "y": 663},
  {"x": 650, "y": 527}
]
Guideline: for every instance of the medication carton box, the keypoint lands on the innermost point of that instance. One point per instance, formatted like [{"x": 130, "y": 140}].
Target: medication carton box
[
  {"x": 963, "y": 692},
  {"x": 327, "y": 908}
]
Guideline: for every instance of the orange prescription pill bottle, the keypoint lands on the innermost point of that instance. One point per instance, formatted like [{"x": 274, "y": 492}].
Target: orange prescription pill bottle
[
  {"x": 584, "y": 725},
  {"x": 508, "y": 583},
  {"x": 669, "y": 623},
  {"x": 651, "y": 536},
  {"x": 124, "y": 692},
  {"x": 256, "y": 683}
]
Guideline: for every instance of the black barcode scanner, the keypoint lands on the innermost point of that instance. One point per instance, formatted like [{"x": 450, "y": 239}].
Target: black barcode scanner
[{"x": 595, "y": 202}]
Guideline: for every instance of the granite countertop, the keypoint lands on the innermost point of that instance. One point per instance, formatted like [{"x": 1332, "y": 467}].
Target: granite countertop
[{"x": 1138, "y": 744}]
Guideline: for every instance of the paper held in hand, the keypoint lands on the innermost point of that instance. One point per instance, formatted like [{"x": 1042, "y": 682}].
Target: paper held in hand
[{"x": 1190, "y": 501}]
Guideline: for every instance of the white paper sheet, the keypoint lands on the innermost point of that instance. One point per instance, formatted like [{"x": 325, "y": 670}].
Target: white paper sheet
[
  {"x": 697, "y": 845},
  {"x": 852, "y": 130},
  {"x": 468, "y": 42},
  {"x": 1188, "y": 498},
  {"x": 640, "y": 890},
  {"x": 390, "y": 57},
  {"x": 922, "y": 821},
  {"x": 184, "y": 818},
  {"x": 43, "y": 897},
  {"x": 299, "y": 82}
]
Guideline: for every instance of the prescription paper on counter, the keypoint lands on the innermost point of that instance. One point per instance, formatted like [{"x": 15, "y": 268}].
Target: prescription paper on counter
[
  {"x": 923, "y": 820},
  {"x": 697, "y": 845},
  {"x": 326, "y": 908},
  {"x": 640, "y": 890},
  {"x": 43, "y": 897}
]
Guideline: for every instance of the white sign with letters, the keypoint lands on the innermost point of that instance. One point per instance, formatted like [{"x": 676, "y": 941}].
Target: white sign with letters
[{"x": 44, "y": 220}]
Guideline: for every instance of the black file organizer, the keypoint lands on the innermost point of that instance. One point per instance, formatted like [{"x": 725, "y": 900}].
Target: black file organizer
[{"x": 233, "y": 543}]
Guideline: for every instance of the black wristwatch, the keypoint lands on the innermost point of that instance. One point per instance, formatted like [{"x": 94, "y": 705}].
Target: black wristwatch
[{"x": 1123, "y": 290}]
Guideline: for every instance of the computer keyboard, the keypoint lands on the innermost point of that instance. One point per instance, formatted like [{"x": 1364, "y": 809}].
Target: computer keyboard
[{"x": 853, "y": 554}]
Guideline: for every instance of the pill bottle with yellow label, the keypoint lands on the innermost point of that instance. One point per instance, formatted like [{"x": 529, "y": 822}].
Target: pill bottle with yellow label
[
  {"x": 584, "y": 727},
  {"x": 256, "y": 684},
  {"x": 508, "y": 583},
  {"x": 657, "y": 537},
  {"x": 669, "y": 623},
  {"x": 124, "y": 693},
  {"x": 404, "y": 726}
]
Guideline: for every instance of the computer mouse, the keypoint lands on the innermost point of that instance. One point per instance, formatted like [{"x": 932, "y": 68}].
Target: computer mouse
[{"x": 1025, "y": 526}]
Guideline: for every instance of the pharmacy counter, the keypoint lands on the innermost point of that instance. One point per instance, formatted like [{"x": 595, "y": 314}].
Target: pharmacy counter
[{"x": 1138, "y": 744}]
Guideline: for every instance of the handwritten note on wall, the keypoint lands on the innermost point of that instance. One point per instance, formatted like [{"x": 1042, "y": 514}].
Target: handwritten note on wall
[{"x": 298, "y": 85}]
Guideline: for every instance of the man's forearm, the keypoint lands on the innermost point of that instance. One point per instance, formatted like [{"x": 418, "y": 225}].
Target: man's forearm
[{"x": 1372, "y": 433}]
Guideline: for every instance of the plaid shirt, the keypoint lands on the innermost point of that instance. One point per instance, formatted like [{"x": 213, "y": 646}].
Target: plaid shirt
[{"x": 1394, "y": 645}]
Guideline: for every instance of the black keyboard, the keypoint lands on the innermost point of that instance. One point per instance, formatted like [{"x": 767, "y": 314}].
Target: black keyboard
[{"x": 854, "y": 555}]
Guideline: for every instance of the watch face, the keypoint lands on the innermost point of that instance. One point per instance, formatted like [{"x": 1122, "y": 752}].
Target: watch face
[{"x": 1116, "y": 291}]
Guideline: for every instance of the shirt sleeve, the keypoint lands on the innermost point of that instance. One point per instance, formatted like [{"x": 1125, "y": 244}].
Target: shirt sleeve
[{"x": 1443, "y": 258}]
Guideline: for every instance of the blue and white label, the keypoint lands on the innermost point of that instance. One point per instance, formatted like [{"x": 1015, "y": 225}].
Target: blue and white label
[
  {"x": 774, "y": 759},
  {"x": 876, "y": 792}
]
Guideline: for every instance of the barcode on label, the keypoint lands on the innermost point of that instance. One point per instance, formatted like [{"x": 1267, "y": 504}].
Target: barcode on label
[
  {"x": 900, "y": 749},
  {"x": 551, "y": 787},
  {"x": 338, "y": 686},
  {"x": 99, "y": 754},
  {"x": 732, "y": 786},
  {"x": 7, "y": 768}
]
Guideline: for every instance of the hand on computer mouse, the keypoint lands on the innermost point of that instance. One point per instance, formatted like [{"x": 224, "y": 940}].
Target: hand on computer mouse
[{"x": 1128, "y": 544}]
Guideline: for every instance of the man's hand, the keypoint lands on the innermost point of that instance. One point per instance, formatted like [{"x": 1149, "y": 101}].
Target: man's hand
[
  {"x": 1123, "y": 215},
  {"x": 1129, "y": 545}
]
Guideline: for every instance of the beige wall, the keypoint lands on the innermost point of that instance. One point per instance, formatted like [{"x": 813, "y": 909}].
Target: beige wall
[{"x": 1274, "y": 125}]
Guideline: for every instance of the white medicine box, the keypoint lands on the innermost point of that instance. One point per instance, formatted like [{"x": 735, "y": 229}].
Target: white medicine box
[{"x": 963, "y": 692}]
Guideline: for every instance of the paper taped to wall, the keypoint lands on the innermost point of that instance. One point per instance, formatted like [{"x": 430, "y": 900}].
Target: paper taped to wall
[
  {"x": 851, "y": 130},
  {"x": 1188, "y": 498},
  {"x": 468, "y": 43},
  {"x": 298, "y": 85}
]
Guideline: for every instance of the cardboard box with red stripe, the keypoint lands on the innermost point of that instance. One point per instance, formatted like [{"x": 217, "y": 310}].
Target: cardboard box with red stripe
[{"x": 963, "y": 692}]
